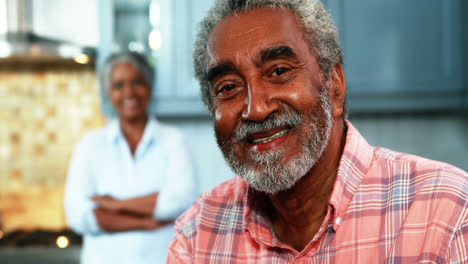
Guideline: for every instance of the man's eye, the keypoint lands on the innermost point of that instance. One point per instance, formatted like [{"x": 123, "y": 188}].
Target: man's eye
[
  {"x": 226, "y": 88},
  {"x": 279, "y": 71}
]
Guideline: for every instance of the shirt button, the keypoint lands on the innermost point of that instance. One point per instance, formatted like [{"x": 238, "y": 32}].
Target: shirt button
[{"x": 338, "y": 221}]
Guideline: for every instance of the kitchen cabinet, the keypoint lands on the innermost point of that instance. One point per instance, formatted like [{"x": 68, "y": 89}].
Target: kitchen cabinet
[
  {"x": 177, "y": 89},
  {"x": 403, "y": 55}
]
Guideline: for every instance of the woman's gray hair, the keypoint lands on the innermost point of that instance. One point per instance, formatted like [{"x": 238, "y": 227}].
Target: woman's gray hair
[
  {"x": 318, "y": 27},
  {"x": 135, "y": 59}
]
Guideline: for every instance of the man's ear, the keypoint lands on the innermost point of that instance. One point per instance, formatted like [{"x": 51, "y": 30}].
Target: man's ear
[{"x": 337, "y": 90}]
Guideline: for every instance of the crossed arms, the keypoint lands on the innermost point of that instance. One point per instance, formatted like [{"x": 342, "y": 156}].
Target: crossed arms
[{"x": 115, "y": 215}]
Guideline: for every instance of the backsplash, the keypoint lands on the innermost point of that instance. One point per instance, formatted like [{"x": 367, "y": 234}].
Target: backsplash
[{"x": 44, "y": 110}]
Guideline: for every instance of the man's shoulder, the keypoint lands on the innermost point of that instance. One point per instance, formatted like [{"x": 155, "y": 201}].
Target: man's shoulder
[
  {"x": 422, "y": 171},
  {"x": 395, "y": 158},
  {"x": 226, "y": 201}
]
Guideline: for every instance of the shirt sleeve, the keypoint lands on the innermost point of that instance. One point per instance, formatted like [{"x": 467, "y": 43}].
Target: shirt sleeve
[
  {"x": 458, "y": 251},
  {"x": 78, "y": 191},
  {"x": 180, "y": 188},
  {"x": 179, "y": 251}
]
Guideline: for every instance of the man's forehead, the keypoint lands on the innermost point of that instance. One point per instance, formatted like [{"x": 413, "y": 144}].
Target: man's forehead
[{"x": 249, "y": 32}]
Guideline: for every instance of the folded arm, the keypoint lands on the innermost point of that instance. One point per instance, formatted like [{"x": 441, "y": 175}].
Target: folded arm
[
  {"x": 115, "y": 215},
  {"x": 112, "y": 221},
  {"x": 143, "y": 205}
]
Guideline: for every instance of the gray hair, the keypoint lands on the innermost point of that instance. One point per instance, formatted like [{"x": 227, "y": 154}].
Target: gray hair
[
  {"x": 318, "y": 27},
  {"x": 135, "y": 59}
]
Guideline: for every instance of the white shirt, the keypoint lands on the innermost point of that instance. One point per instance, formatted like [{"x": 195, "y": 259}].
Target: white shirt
[{"x": 102, "y": 164}]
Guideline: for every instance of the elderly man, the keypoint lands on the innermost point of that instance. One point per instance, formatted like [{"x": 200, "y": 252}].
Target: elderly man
[{"x": 311, "y": 189}]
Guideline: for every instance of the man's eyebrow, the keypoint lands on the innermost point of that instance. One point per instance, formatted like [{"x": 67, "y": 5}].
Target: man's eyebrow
[
  {"x": 219, "y": 70},
  {"x": 280, "y": 52}
]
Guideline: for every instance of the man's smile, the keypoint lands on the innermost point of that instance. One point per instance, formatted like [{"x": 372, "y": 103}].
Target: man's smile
[{"x": 269, "y": 138}]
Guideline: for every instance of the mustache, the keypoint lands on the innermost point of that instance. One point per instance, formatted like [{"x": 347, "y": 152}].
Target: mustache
[{"x": 287, "y": 117}]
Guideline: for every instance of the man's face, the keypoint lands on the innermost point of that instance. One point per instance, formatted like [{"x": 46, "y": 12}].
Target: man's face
[{"x": 272, "y": 115}]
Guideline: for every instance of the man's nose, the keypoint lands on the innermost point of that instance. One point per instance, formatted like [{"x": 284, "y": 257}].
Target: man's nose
[{"x": 259, "y": 103}]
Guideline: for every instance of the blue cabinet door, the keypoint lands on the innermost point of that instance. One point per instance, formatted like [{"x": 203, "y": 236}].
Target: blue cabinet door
[{"x": 400, "y": 54}]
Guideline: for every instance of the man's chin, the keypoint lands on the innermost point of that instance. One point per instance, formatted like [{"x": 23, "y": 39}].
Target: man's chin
[
  {"x": 272, "y": 178},
  {"x": 268, "y": 184},
  {"x": 261, "y": 161}
]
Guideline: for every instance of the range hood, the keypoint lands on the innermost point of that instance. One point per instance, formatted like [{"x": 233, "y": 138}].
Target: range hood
[{"x": 19, "y": 42}]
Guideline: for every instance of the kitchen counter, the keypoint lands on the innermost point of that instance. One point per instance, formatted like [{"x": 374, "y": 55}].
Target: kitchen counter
[{"x": 40, "y": 255}]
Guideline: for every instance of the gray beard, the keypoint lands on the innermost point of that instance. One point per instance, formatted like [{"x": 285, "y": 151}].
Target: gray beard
[{"x": 269, "y": 174}]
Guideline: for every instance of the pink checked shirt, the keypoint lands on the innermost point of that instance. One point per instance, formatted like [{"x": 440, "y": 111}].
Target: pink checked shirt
[{"x": 386, "y": 207}]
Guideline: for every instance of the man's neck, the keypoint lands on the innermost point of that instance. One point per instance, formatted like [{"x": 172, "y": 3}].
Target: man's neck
[{"x": 300, "y": 211}]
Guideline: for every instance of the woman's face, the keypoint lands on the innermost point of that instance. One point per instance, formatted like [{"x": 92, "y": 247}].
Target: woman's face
[{"x": 129, "y": 92}]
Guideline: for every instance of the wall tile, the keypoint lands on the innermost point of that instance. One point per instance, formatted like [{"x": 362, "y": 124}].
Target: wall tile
[{"x": 44, "y": 111}]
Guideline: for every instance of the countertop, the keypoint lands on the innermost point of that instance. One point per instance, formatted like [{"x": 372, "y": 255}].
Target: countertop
[{"x": 40, "y": 255}]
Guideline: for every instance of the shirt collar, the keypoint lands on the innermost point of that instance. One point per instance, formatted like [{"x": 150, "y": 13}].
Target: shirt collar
[
  {"x": 114, "y": 132},
  {"x": 149, "y": 135},
  {"x": 354, "y": 163},
  {"x": 256, "y": 219}
]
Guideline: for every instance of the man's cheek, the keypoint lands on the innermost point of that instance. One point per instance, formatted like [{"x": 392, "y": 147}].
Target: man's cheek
[{"x": 224, "y": 122}]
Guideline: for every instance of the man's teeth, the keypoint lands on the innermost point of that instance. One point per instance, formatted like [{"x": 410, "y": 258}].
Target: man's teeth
[{"x": 270, "y": 138}]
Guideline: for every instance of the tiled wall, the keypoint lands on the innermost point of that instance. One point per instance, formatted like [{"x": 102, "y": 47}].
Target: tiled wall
[{"x": 44, "y": 110}]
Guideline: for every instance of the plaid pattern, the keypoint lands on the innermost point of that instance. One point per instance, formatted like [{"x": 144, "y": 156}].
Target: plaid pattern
[{"x": 386, "y": 207}]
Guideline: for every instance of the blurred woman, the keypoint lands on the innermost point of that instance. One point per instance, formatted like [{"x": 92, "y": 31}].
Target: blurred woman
[{"x": 128, "y": 181}]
